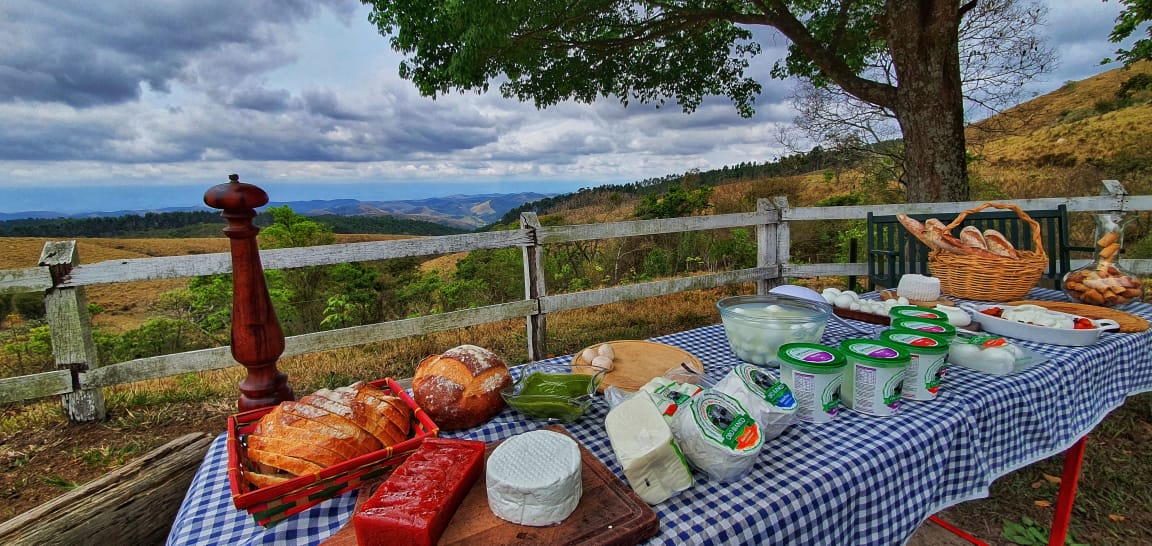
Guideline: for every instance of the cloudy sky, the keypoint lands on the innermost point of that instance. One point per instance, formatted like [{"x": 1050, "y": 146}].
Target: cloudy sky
[{"x": 156, "y": 101}]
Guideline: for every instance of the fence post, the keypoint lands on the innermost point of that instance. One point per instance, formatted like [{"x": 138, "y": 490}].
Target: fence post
[
  {"x": 534, "y": 288},
  {"x": 71, "y": 329},
  {"x": 772, "y": 244},
  {"x": 1115, "y": 189}
]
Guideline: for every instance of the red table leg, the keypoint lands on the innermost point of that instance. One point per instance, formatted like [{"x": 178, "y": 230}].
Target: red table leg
[
  {"x": 1073, "y": 458},
  {"x": 1072, "y": 461},
  {"x": 957, "y": 531}
]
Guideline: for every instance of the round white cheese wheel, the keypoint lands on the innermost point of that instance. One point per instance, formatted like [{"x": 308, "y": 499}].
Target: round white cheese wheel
[{"x": 534, "y": 478}]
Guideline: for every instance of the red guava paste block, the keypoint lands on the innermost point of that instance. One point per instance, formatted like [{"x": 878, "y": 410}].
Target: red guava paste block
[{"x": 414, "y": 505}]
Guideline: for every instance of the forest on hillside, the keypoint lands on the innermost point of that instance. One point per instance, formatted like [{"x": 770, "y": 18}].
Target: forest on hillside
[{"x": 202, "y": 224}]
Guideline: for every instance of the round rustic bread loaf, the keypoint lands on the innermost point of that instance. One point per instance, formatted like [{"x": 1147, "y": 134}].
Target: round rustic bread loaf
[{"x": 461, "y": 388}]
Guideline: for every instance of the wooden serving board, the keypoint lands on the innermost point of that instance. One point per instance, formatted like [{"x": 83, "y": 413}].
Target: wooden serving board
[
  {"x": 891, "y": 295},
  {"x": 609, "y": 514},
  {"x": 1128, "y": 322},
  {"x": 861, "y": 316},
  {"x": 638, "y": 361}
]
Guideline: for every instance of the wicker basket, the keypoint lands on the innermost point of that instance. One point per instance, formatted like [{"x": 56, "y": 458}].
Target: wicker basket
[
  {"x": 990, "y": 279},
  {"x": 273, "y": 504}
]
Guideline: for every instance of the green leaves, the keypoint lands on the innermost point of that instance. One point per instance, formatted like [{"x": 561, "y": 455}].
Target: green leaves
[
  {"x": 1027, "y": 532},
  {"x": 547, "y": 52},
  {"x": 1135, "y": 14}
]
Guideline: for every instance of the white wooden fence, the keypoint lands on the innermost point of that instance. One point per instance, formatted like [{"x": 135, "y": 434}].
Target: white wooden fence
[{"x": 80, "y": 377}]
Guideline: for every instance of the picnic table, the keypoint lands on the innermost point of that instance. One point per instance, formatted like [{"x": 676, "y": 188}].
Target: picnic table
[{"x": 856, "y": 480}]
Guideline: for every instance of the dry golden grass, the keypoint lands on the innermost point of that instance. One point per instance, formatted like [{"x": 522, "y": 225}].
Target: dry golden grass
[{"x": 126, "y": 305}]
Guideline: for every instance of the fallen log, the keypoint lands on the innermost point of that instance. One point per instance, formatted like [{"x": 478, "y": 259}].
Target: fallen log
[{"x": 134, "y": 504}]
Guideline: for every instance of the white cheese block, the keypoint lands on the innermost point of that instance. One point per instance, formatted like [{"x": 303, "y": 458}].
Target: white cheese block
[
  {"x": 643, "y": 444},
  {"x": 534, "y": 478}
]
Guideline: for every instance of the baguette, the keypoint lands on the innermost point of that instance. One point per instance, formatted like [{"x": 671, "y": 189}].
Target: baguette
[
  {"x": 287, "y": 463},
  {"x": 317, "y": 453},
  {"x": 281, "y": 422},
  {"x": 936, "y": 237},
  {"x": 970, "y": 236},
  {"x": 394, "y": 421},
  {"x": 260, "y": 479},
  {"x": 400, "y": 415},
  {"x": 999, "y": 245},
  {"x": 364, "y": 441},
  {"x": 364, "y": 414}
]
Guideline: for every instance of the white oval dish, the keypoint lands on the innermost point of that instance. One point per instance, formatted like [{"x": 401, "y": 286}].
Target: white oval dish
[{"x": 1043, "y": 334}]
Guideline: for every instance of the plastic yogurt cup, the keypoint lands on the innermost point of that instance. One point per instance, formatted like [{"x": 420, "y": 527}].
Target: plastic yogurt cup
[
  {"x": 917, "y": 312},
  {"x": 926, "y": 367},
  {"x": 874, "y": 376},
  {"x": 814, "y": 373},
  {"x": 939, "y": 328}
]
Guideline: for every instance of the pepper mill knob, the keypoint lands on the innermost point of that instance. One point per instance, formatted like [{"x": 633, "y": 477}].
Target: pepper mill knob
[{"x": 257, "y": 340}]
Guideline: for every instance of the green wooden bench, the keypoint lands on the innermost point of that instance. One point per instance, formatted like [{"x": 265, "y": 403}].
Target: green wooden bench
[{"x": 892, "y": 251}]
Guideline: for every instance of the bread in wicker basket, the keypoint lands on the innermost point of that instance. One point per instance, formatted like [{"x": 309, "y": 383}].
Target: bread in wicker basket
[{"x": 983, "y": 270}]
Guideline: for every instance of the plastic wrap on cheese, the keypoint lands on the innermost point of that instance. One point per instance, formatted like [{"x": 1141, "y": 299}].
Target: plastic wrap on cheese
[
  {"x": 669, "y": 396},
  {"x": 717, "y": 435},
  {"x": 766, "y": 398},
  {"x": 647, "y": 452}
]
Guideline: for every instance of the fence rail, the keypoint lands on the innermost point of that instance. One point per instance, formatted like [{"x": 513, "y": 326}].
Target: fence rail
[{"x": 80, "y": 378}]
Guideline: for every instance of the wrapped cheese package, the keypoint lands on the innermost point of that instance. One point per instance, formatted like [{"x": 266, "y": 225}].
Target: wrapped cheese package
[
  {"x": 669, "y": 396},
  {"x": 717, "y": 435},
  {"x": 766, "y": 398}
]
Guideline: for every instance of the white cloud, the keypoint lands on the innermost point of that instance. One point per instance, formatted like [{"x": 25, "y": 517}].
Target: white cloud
[{"x": 297, "y": 91}]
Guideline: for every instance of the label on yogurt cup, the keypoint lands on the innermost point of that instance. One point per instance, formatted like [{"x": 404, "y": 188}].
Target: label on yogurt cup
[
  {"x": 873, "y": 351},
  {"x": 914, "y": 340},
  {"x": 806, "y": 354},
  {"x": 925, "y": 327}
]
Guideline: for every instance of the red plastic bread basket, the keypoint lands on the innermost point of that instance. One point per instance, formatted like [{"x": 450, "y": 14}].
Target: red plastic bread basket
[{"x": 273, "y": 504}]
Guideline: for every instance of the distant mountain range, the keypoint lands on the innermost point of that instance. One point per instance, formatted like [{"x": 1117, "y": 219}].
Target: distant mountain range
[{"x": 462, "y": 211}]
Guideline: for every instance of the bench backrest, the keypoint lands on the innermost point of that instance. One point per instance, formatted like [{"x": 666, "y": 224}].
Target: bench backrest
[{"x": 892, "y": 251}]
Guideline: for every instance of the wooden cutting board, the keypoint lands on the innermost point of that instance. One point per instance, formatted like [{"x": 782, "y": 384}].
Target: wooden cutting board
[
  {"x": 638, "y": 361},
  {"x": 609, "y": 514},
  {"x": 1128, "y": 322}
]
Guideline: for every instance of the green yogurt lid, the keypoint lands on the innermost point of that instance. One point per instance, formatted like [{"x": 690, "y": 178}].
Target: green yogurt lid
[
  {"x": 811, "y": 357},
  {"x": 917, "y": 342},
  {"x": 924, "y": 325},
  {"x": 876, "y": 352},
  {"x": 917, "y": 312}
]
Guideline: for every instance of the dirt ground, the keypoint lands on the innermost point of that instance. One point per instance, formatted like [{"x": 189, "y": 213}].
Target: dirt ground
[{"x": 40, "y": 464}]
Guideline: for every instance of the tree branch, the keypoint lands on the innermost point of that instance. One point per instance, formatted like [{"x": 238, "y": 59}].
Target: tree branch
[
  {"x": 776, "y": 14},
  {"x": 968, "y": 7}
]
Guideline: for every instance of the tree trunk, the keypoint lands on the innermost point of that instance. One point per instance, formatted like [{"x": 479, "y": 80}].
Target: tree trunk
[{"x": 922, "y": 36}]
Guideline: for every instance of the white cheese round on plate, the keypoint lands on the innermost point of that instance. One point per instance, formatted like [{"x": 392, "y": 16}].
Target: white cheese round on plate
[{"x": 534, "y": 478}]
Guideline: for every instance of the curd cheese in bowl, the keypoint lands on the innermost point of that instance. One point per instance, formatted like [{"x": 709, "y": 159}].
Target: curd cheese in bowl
[{"x": 757, "y": 325}]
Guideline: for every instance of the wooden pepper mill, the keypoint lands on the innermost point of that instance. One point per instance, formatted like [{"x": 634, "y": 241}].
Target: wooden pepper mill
[{"x": 257, "y": 340}]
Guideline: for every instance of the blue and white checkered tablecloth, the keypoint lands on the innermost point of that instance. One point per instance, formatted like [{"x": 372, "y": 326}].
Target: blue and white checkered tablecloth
[{"x": 856, "y": 480}]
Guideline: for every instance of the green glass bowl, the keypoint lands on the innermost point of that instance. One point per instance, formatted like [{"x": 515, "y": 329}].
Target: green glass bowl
[{"x": 553, "y": 392}]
